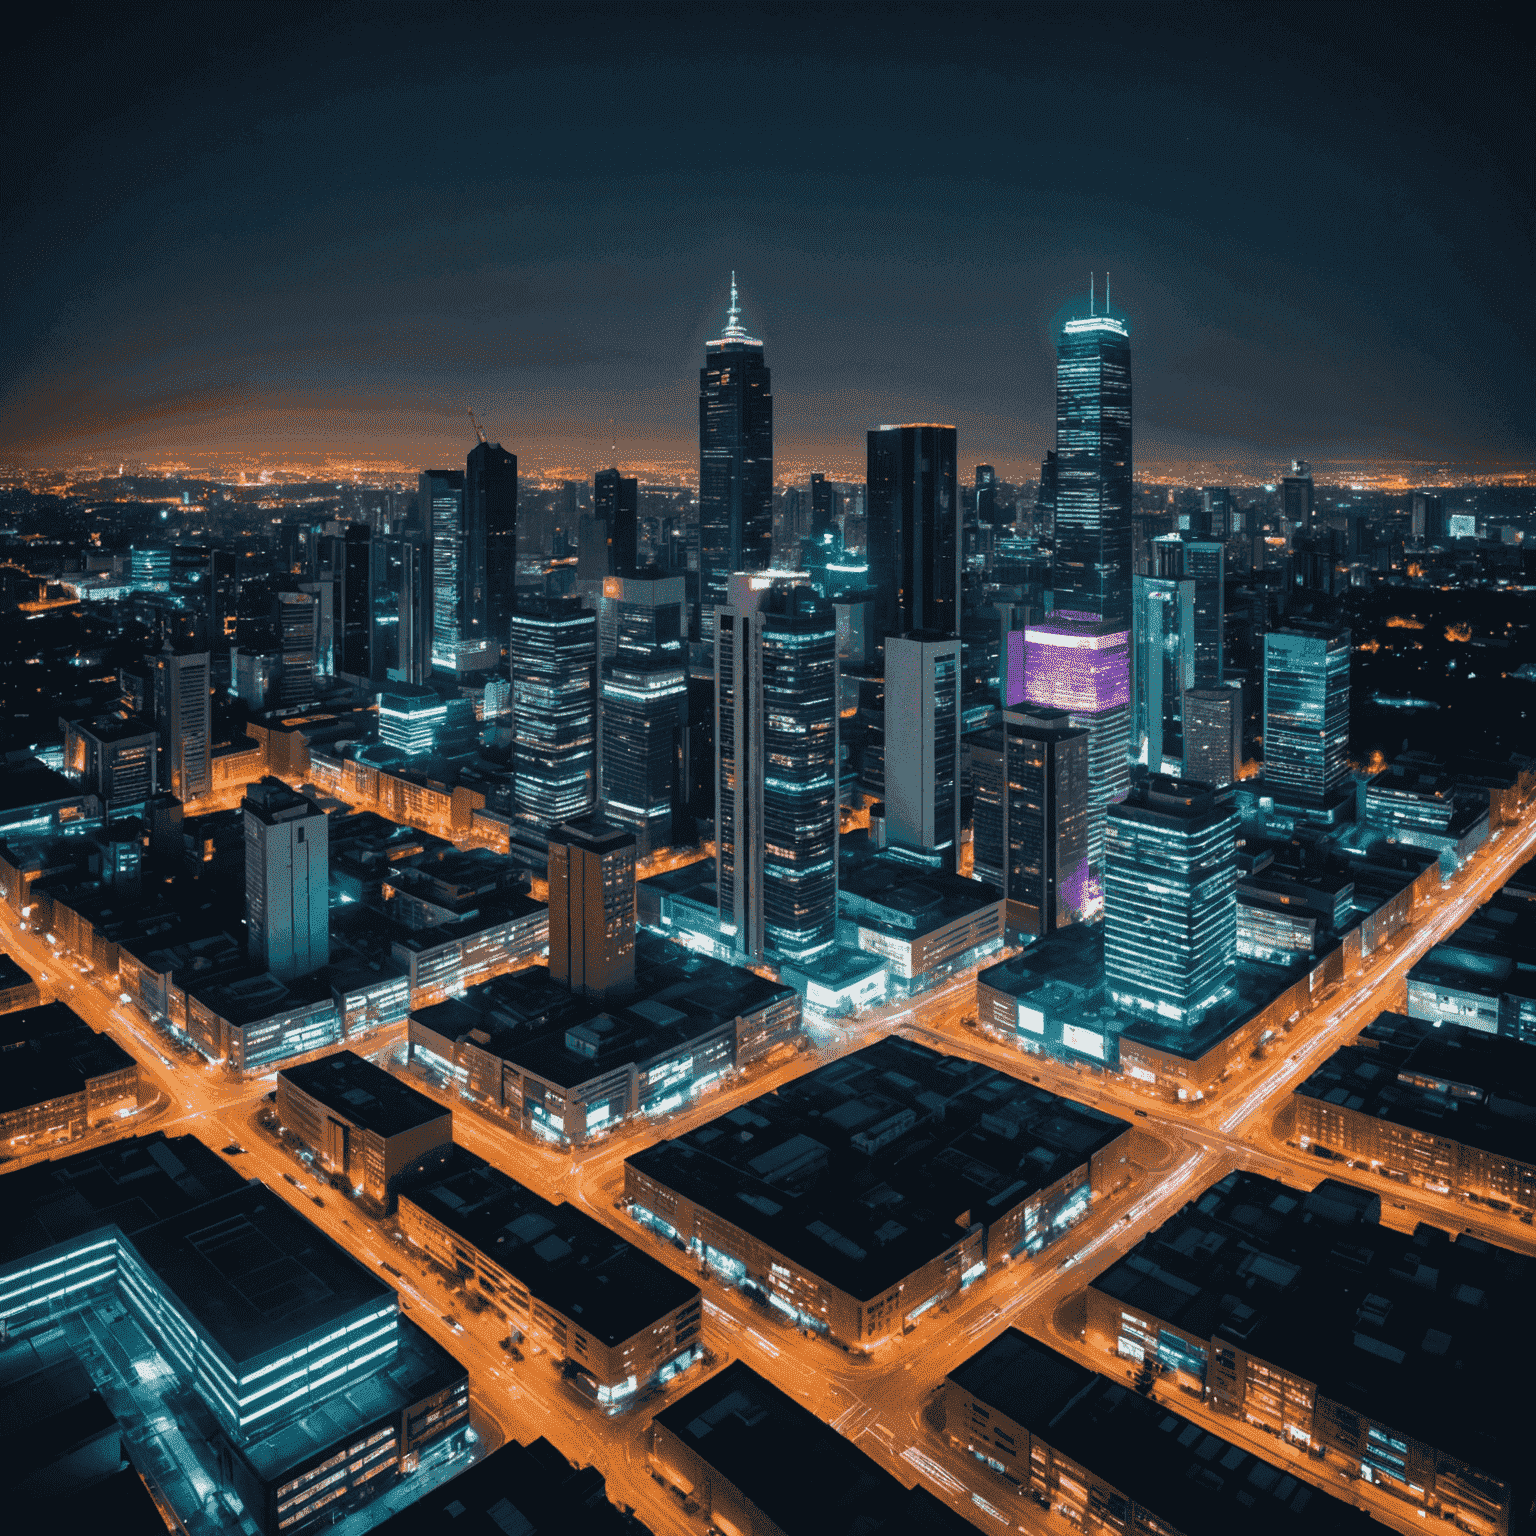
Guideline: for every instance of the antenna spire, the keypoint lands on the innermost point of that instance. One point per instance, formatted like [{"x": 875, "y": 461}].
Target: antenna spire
[
  {"x": 1106, "y": 293},
  {"x": 733, "y": 315}
]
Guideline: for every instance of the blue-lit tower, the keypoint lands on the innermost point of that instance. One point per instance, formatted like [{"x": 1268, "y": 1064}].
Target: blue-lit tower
[{"x": 553, "y": 652}]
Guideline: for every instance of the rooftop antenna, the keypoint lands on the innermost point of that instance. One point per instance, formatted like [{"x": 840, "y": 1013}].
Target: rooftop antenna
[
  {"x": 1106, "y": 293},
  {"x": 475, "y": 424},
  {"x": 733, "y": 315},
  {"x": 1090, "y": 295}
]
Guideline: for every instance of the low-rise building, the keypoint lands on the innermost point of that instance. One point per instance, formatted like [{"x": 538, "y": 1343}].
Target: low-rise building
[
  {"x": 364, "y": 1125},
  {"x": 1389, "y": 1356},
  {"x": 617, "y": 1320},
  {"x": 1107, "y": 1459},
  {"x": 58, "y": 1077},
  {"x": 1440, "y": 1106},
  {"x": 756, "y": 1461},
  {"x": 17, "y": 988},
  {"x": 566, "y": 1067},
  {"x": 862, "y": 1195}
]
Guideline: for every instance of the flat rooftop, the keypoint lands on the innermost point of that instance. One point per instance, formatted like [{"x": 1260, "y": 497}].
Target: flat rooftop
[
  {"x": 1193, "y": 1480},
  {"x": 864, "y": 1170},
  {"x": 566, "y": 1258},
  {"x": 1444, "y": 1080},
  {"x": 529, "y": 1489},
  {"x": 679, "y": 995},
  {"x": 355, "y": 1089},
  {"x": 754, "y": 1437},
  {"x": 130, "y": 1184},
  {"x": 254, "y": 1273},
  {"x": 1412, "y": 1331}
]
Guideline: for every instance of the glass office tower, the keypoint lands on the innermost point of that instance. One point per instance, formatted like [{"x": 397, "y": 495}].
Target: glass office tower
[
  {"x": 1202, "y": 561},
  {"x": 616, "y": 505},
  {"x": 1213, "y": 735},
  {"x": 401, "y": 609},
  {"x": 1170, "y": 899},
  {"x": 553, "y": 654},
  {"x": 913, "y": 522},
  {"x": 1093, "y": 470},
  {"x": 442, "y": 511},
  {"x": 490, "y": 542},
  {"x": 1162, "y": 667},
  {"x": 735, "y": 462},
  {"x": 922, "y": 746},
  {"x": 1306, "y": 713},
  {"x": 1298, "y": 495},
  {"x": 776, "y": 792}
]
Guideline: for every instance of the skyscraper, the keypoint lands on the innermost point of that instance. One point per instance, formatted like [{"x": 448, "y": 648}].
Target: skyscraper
[
  {"x": 776, "y": 789},
  {"x": 1213, "y": 735},
  {"x": 1306, "y": 713},
  {"x": 1084, "y": 668},
  {"x": 287, "y": 880},
  {"x": 643, "y": 705},
  {"x": 913, "y": 520},
  {"x": 490, "y": 529},
  {"x": 554, "y": 699},
  {"x": 1162, "y": 667},
  {"x": 1428, "y": 518},
  {"x": 735, "y": 461},
  {"x": 1093, "y": 470},
  {"x": 344, "y": 572},
  {"x": 922, "y": 745},
  {"x": 986, "y": 494},
  {"x": 441, "y": 499},
  {"x": 400, "y": 598},
  {"x": 592, "y": 907},
  {"x": 616, "y": 505},
  {"x": 1031, "y": 817},
  {"x": 296, "y": 618},
  {"x": 1217, "y": 500},
  {"x": 1202, "y": 561},
  {"x": 1045, "y": 496},
  {"x": 823, "y": 507},
  {"x": 184, "y": 721},
  {"x": 1170, "y": 898},
  {"x": 1298, "y": 503}
]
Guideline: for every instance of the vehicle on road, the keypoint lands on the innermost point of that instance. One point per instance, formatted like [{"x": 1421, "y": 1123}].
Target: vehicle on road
[
  {"x": 317, "y": 1199},
  {"x": 291, "y": 1180},
  {"x": 453, "y": 1323},
  {"x": 1142, "y": 1113},
  {"x": 234, "y": 1149}
]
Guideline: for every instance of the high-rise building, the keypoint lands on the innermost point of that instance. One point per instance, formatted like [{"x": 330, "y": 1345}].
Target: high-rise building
[
  {"x": 735, "y": 461},
  {"x": 400, "y": 643},
  {"x": 554, "y": 705},
  {"x": 913, "y": 539},
  {"x": 616, "y": 506},
  {"x": 411, "y": 719},
  {"x": 490, "y": 527},
  {"x": 1298, "y": 499},
  {"x": 1202, "y": 561},
  {"x": 1217, "y": 501},
  {"x": 113, "y": 758},
  {"x": 287, "y": 880},
  {"x": 184, "y": 722},
  {"x": 1092, "y": 574},
  {"x": 1213, "y": 735},
  {"x": 776, "y": 754},
  {"x": 296, "y": 618},
  {"x": 592, "y": 907},
  {"x": 461, "y": 641},
  {"x": 1306, "y": 712},
  {"x": 1428, "y": 518},
  {"x": 823, "y": 507},
  {"x": 922, "y": 745},
  {"x": 1045, "y": 496},
  {"x": 1170, "y": 898},
  {"x": 343, "y": 589},
  {"x": 1031, "y": 817},
  {"x": 986, "y": 494},
  {"x": 1162, "y": 667}
]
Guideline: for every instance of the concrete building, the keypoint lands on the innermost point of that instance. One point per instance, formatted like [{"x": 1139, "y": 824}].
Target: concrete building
[
  {"x": 115, "y": 759},
  {"x": 1438, "y": 1106},
  {"x": 316, "y": 1395},
  {"x": 287, "y": 880},
  {"x": 59, "y": 1078},
  {"x": 1109, "y": 1460},
  {"x": 364, "y": 1125},
  {"x": 1030, "y": 827},
  {"x": 1213, "y": 735},
  {"x": 184, "y": 722},
  {"x": 733, "y": 1445},
  {"x": 922, "y": 745},
  {"x": 617, "y": 1320},
  {"x": 877, "y": 1187},
  {"x": 592, "y": 907},
  {"x": 1389, "y": 1356}
]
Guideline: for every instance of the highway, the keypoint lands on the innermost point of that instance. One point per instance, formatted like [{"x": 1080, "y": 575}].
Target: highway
[{"x": 882, "y": 1403}]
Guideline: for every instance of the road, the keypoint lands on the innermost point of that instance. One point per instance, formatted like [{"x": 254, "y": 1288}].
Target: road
[{"x": 878, "y": 1402}]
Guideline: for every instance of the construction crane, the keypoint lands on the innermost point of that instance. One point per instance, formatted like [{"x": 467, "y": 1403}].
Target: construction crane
[{"x": 479, "y": 432}]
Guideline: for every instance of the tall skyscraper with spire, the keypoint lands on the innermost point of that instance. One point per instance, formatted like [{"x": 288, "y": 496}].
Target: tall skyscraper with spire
[
  {"x": 735, "y": 462},
  {"x": 1093, "y": 468}
]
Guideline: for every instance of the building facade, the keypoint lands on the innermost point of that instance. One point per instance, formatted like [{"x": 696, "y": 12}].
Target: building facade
[
  {"x": 554, "y": 706},
  {"x": 1306, "y": 713},
  {"x": 287, "y": 880},
  {"x": 922, "y": 745},
  {"x": 913, "y": 539},
  {"x": 592, "y": 907},
  {"x": 184, "y": 720},
  {"x": 1213, "y": 735},
  {"x": 490, "y": 525},
  {"x": 1162, "y": 669}
]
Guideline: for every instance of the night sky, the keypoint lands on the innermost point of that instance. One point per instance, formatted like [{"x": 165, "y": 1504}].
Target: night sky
[{"x": 305, "y": 230}]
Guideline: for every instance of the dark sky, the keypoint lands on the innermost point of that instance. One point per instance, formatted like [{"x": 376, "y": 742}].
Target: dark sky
[{"x": 310, "y": 229}]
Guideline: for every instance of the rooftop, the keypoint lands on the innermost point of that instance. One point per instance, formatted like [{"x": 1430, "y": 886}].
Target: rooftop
[
  {"x": 866, "y": 1169},
  {"x": 1179, "y": 1473},
  {"x": 1411, "y": 1331},
  {"x": 364, "y": 1094},
  {"x": 565, "y": 1258},
  {"x": 50, "y": 1052}
]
